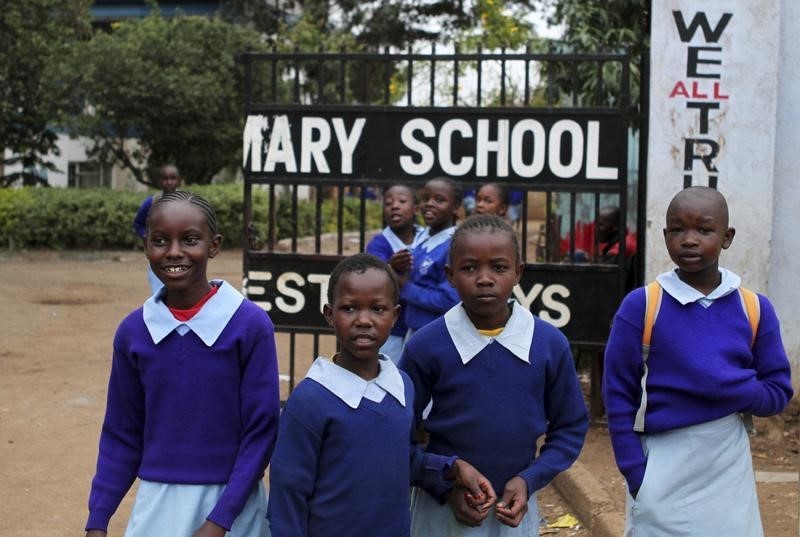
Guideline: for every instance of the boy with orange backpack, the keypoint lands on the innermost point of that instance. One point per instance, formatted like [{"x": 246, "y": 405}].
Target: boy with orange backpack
[{"x": 678, "y": 373}]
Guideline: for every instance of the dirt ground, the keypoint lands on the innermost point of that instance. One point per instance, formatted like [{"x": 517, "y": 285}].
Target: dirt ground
[{"x": 59, "y": 312}]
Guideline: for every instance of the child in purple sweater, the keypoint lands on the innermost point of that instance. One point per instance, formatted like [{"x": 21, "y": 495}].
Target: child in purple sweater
[
  {"x": 344, "y": 459},
  {"x": 691, "y": 463},
  {"x": 394, "y": 245},
  {"x": 501, "y": 380},
  {"x": 193, "y": 396}
]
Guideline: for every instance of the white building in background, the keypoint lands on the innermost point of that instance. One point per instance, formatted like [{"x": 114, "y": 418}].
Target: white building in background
[{"x": 75, "y": 168}]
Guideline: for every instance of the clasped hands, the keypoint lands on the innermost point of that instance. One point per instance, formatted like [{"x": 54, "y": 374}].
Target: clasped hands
[{"x": 472, "y": 497}]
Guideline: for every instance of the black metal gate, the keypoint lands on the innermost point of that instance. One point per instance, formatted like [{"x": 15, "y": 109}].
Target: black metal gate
[{"x": 327, "y": 131}]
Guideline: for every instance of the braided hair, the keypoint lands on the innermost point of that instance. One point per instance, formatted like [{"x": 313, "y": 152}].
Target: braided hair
[
  {"x": 193, "y": 199},
  {"x": 484, "y": 223}
]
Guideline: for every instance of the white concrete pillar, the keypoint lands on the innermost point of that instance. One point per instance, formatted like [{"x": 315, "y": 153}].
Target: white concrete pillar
[{"x": 784, "y": 260}]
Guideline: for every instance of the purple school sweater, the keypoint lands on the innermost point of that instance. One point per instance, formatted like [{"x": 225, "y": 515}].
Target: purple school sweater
[
  {"x": 340, "y": 471},
  {"x": 383, "y": 249},
  {"x": 427, "y": 293},
  {"x": 491, "y": 411},
  {"x": 701, "y": 368},
  {"x": 182, "y": 412}
]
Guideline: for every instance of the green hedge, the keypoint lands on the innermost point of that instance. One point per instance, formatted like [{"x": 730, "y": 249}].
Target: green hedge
[{"x": 62, "y": 218}]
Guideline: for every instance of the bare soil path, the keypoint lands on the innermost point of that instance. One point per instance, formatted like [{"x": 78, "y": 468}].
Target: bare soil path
[{"x": 59, "y": 311}]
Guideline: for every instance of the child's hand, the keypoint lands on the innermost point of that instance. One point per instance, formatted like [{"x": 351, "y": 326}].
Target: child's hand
[
  {"x": 479, "y": 493},
  {"x": 464, "y": 507},
  {"x": 401, "y": 261},
  {"x": 514, "y": 504},
  {"x": 209, "y": 529}
]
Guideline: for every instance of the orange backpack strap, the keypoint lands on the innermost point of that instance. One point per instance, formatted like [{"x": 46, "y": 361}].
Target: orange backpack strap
[
  {"x": 752, "y": 310},
  {"x": 653, "y": 293},
  {"x": 652, "y": 305}
]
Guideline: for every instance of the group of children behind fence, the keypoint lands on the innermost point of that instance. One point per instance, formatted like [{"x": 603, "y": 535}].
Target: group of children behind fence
[{"x": 193, "y": 395}]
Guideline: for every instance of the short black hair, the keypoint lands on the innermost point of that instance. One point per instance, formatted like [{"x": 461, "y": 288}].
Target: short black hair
[
  {"x": 484, "y": 223},
  {"x": 360, "y": 263},
  {"x": 455, "y": 188},
  {"x": 707, "y": 193},
  {"x": 163, "y": 167},
  {"x": 502, "y": 191},
  {"x": 412, "y": 191},
  {"x": 198, "y": 201}
]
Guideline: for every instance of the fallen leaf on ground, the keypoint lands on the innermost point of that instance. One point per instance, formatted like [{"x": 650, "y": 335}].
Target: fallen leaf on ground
[{"x": 564, "y": 521}]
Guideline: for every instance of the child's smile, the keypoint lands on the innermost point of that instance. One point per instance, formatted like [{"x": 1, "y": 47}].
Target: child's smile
[
  {"x": 176, "y": 268},
  {"x": 178, "y": 247},
  {"x": 438, "y": 205}
]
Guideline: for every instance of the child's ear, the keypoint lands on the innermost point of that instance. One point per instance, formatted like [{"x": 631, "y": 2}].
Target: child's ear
[
  {"x": 726, "y": 242},
  {"x": 520, "y": 268},
  {"x": 448, "y": 271},
  {"x": 216, "y": 244},
  {"x": 396, "y": 313},
  {"x": 327, "y": 312}
]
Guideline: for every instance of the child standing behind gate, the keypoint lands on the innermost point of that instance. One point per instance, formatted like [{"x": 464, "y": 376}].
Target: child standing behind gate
[
  {"x": 689, "y": 472},
  {"x": 393, "y": 245},
  {"x": 500, "y": 379},
  {"x": 425, "y": 289},
  {"x": 169, "y": 179}
]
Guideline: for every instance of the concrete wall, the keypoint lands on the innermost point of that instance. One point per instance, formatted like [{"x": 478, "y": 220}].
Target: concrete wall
[
  {"x": 748, "y": 80},
  {"x": 784, "y": 259},
  {"x": 74, "y": 150}
]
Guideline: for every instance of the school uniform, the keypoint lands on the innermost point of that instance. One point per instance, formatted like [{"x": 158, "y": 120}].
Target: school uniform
[
  {"x": 493, "y": 397},
  {"x": 343, "y": 463},
  {"x": 140, "y": 227},
  {"x": 693, "y": 460},
  {"x": 192, "y": 411},
  {"x": 427, "y": 293},
  {"x": 383, "y": 246},
  {"x": 140, "y": 220}
]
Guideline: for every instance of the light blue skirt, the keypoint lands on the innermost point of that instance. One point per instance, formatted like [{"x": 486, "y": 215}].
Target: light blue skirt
[
  {"x": 699, "y": 482},
  {"x": 169, "y": 510},
  {"x": 430, "y": 519}
]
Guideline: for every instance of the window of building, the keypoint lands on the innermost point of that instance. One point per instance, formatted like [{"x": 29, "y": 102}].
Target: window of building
[{"x": 88, "y": 174}]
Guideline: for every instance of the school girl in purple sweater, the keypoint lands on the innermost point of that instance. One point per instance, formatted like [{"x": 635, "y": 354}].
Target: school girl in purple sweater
[{"x": 193, "y": 396}]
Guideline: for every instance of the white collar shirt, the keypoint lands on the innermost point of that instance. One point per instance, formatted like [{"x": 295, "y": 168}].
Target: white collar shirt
[
  {"x": 685, "y": 293},
  {"x": 208, "y": 323},
  {"x": 516, "y": 337},
  {"x": 396, "y": 244},
  {"x": 351, "y": 388},
  {"x": 428, "y": 242}
]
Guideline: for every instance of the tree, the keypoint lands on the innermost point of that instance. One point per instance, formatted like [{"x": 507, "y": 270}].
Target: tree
[
  {"x": 397, "y": 23},
  {"x": 603, "y": 25},
  {"x": 34, "y": 37},
  {"x": 159, "y": 90}
]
